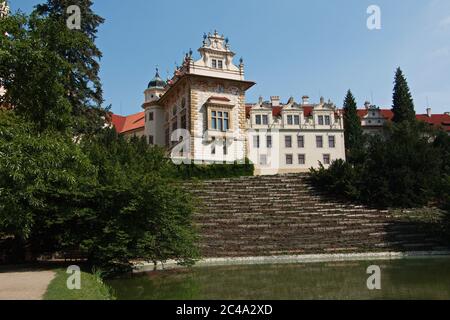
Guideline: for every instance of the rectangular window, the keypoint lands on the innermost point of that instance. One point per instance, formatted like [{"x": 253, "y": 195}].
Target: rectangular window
[
  {"x": 214, "y": 63},
  {"x": 150, "y": 140},
  {"x": 289, "y": 159},
  {"x": 327, "y": 120},
  {"x": 300, "y": 141},
  {"x": 263, "y": 159},
  {"x": 319, "y": 142},
  {"x": 214, "y": 120},
  {"x": 320, "y": 120},
  {"x": 301, "y": 159},
  {"x": 269, "y": 142},
  {"x": 288, "y": 141},
  {"x": 265, "y": 119},
  {"x": 289, "y": 120},
  {"x": 331, "y": 142},
  {"x": 256, "y": 142},
  {"x": 220, "y": 120},
  {"x": 220, "y": 64},
  {"x": 225, "y": 121},
  {"x": 326, "y": 159},
  {"x": 296, "y": 120},
  {"x": 150, "y": 116},
  {"x": 258, "y": 119}
]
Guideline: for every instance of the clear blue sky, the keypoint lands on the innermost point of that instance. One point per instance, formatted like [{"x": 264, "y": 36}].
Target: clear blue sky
[{"x": 290, "y": 48}]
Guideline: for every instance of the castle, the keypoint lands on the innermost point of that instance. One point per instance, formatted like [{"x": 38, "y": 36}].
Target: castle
[{"x": 200, "y": 115}]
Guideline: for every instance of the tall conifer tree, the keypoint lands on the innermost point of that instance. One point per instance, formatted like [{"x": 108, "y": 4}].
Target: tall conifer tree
[
  {"x": 403, "y": 105},
  {"x": 352, "y": 124}
]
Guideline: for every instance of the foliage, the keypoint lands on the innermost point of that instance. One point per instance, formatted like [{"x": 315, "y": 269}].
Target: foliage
[
  {"x": 340, "y": 179},
  {"x": 41, "y": 177},
  {"x": 51, "y": 72},
  {"x": 79, "y": 50},
  {"x": 113, "y": 199},
  {"x": 33, "y": 74},
  {"x": 403, "y": 105},
  {"x": 353, "y": 131}
]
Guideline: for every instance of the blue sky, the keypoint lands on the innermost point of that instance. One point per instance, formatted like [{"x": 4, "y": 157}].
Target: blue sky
[{"x": 290, "y": 48}]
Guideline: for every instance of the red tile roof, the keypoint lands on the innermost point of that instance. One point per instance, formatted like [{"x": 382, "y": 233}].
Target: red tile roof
[
  {"x": 128, "y": 123},
  {"x": 137, "y": 121},
  {"x": 276, "y": 111},
  {"x": 438, "y": 120}
]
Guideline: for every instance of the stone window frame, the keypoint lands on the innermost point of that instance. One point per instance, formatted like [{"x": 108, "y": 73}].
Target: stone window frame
[
  {"x": 301, "y": 141},
  {"x": 291, "y": 157},
  {"x": 319, "y": 138},
  {"x": 332, "y": 139},
  {"x": 288, "y": 138},
  {"x": 220, "y": 108},
  {"x": 269, "y": 142},
  {"x": 301, "y": 158},
  {"x": 326, "y": 158}
]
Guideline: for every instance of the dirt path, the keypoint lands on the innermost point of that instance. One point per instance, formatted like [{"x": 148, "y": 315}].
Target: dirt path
[{"x": 24, "y": 285}]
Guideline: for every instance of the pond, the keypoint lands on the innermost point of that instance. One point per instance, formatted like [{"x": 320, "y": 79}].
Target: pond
[{"x": 412, "y": 278}]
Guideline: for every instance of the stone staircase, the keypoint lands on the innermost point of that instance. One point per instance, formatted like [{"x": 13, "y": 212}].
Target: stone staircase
[{"x": 285, "y": 215}]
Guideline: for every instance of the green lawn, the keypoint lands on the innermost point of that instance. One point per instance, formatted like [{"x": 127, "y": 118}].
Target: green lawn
[{"x": 92, "y": 288}]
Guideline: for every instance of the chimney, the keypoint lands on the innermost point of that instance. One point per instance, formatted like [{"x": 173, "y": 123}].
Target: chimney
[
  {"x": 367, "y": 104},
  {"x": 305, "y": 100},
  {"x": 275, "y": 100},
  {"x": 429, "y": 112}
]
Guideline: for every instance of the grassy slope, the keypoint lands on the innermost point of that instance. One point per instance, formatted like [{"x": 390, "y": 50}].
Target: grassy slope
[{"x": 92, "y": 288}]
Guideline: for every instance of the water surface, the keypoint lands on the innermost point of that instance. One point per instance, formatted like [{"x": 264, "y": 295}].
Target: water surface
[{"x": 412, "y": 278}]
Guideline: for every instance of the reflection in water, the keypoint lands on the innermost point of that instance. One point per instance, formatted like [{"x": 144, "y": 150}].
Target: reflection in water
[{"x": 400, "y": 279}]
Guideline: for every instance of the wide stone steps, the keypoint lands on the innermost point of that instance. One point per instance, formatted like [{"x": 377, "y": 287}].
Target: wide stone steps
[{"x": 284, "y": 214}]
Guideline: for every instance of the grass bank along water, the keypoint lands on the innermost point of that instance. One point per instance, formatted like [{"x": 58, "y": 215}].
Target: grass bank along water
[{"x": 92, "y": 288}]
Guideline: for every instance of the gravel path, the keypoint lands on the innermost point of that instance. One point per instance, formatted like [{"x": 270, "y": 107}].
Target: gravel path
[{"x": 24, "y": 285}]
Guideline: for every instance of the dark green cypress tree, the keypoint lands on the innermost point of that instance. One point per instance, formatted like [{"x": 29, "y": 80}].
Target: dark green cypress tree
[
  {"x": 352, "y": 125},
  {"x": 403, "y": 104}
]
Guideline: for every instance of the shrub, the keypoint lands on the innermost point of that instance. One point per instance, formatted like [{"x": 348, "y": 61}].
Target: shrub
[{"x": 340, "y": 179}]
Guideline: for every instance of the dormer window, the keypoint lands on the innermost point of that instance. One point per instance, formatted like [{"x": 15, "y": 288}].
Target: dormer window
[
  {"x": 327, "y": 120},
  {"x": 320, "y": 120},
  {"x": 296, "y": 120},
  {"x": 258, "y": 119},
  {"x": 216, "y": 64},
  {"x": 265, "y": 119},
  {"x": 289, "y": 120}
]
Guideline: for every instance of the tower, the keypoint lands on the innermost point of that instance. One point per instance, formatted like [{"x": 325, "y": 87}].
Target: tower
[
  {"x": 155, "y": 88},
  {"x": 154, "y": 113}
]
